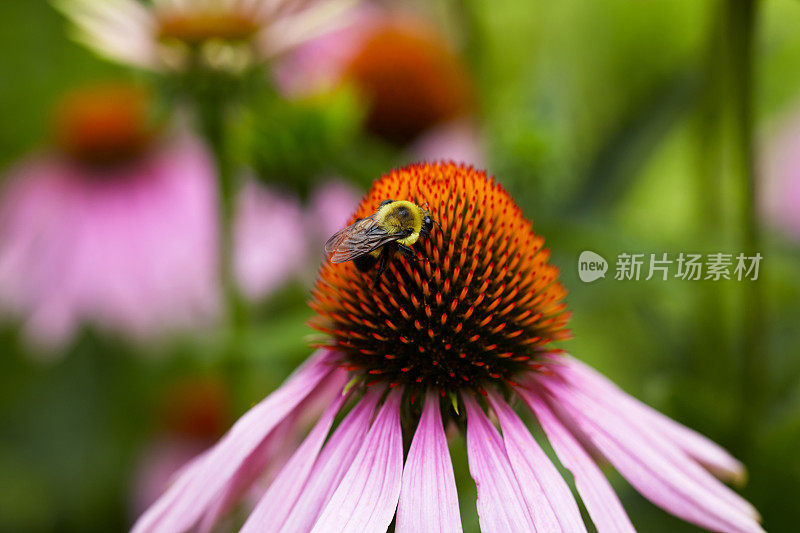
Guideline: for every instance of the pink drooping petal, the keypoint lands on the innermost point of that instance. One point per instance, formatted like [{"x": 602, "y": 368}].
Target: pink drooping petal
[
  {"x": 183, "y": 274},
  {"x": 254, "y": 468},
  {"x": 501, "y": 506},
  {"x": 367, "y": 496},
  {"x": 194, "y": 491},
  {"x": 36, "y": 248},
  {"x": 660, "y": 473},
  {"x": 428, "y": 498},
  {"x": 549, "y": 499},
  {"x": 157, "y": 466},
  {"x": 38, "y": 282},
  {"x": 275, "y": 505},
  {"x": 160, "y": 230},
  {"x": 599, "y": 498},
  {"x": 601, "y": 389},
  {"x": 257, "y": 472},
  {"x": 115, "y": 280},
  {"x": 331, "y": 466}
]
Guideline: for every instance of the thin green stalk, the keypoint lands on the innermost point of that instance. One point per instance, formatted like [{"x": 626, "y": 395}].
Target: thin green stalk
[
  {"x": 713, "y": 349},
  {"x": 212, "y": 115},
  {"x": 741, "y": 23},
  {"x": 709, "y": 129}
]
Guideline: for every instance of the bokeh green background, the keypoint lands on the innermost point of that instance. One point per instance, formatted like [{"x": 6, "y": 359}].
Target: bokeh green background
[{"x": 606, "y": 119}]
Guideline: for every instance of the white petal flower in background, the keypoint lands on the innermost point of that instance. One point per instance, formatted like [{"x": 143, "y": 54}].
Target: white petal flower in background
[{"x": 227, "y": 34}]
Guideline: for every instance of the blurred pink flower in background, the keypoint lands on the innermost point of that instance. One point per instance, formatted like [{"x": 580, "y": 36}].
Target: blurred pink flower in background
[
  {"x": 780, "y": 186},
  {"x": 113, "y": 228},
  {"x": 278, "y": 239},
  {"x": 227, "y": 34},
  {"x": 318, "y": 65},
  {"x": 329, "y": 209},
  {"x": 416, "y": 89},
  {"x": 271, "y": 245},
  {"x": 459, "y": 140},
  {"x": 117, "y": 226}
]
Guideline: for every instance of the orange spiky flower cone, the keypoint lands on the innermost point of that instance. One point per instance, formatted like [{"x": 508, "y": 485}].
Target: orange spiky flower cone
[{"x": 476, "y": 307}]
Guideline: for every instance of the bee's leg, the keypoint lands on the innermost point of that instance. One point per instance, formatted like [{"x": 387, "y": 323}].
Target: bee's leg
[
  {"x": 407, "y": 251},
  {"x": 384, "y": 263}
]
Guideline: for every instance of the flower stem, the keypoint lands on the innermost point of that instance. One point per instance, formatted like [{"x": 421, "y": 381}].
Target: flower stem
[
  {"x": 713, "y": 347},
  {"x": 212, "y": 116},
  {"x": 741, "y": 23}
]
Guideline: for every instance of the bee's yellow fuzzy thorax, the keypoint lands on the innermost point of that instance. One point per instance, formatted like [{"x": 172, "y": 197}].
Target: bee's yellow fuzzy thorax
[{"x": 398, "y": 215}]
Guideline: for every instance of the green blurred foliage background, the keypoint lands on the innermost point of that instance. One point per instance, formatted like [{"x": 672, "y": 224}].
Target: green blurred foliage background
[{"x": 598, "y": 117}]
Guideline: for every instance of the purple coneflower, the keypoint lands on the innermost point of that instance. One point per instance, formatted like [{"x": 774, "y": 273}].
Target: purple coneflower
[
  {"x": 116, "y": 226},
  {"x": 379, "y": 53},
  {"x": 220, "y": 34},
  {"x": 458, "y": 338}
]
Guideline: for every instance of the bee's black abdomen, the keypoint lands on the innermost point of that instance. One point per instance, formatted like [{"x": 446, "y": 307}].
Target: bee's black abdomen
[{"x": 365, "y": 262}]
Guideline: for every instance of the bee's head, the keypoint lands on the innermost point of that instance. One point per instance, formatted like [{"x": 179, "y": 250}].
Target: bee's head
[{"x": 427, "y": 223}]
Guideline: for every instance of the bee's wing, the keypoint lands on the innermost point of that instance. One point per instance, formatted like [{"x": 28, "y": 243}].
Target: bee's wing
[
  {"x": 343, "y": 235},
  {"x": 358, "y": 239}
]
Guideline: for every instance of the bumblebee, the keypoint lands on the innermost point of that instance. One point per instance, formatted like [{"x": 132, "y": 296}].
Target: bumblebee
[{"x": 395, "y": 227}]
